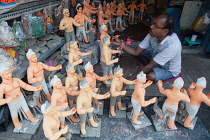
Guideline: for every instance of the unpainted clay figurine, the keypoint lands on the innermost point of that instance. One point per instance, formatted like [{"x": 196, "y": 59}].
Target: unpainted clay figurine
[
  {"x": 35, "y": 74},
  {"x": 106, "y": 58},
  {"x": 138, "y": 96},
  {"x": 108, "y": 14},
  {"x": 14, "y": 97},
  {"x": 132, "y": 8},
  {"x": 124, "y": 10},
  {"x": 51, "y": 122},
  {"x": 174, "y": 95},
  {"x": 84, "y": 107},
  {"x": 80, "y": 18},
  {"x": 71, "y": 81},
  {"x": 114, "y": 5},
  {"x": 91, "y": 77},
  {"x": 59, "y": 97},
  {"x": 67, "y": 25},
  {"x": 101, "y": 19},
  {"x": 104, "y": 30},
  {"x": 142, "y": 7},
  {"x": 119, "y": 16},
  {"x": 116, "y": 90},
  {"x": 104, "y": 6}
]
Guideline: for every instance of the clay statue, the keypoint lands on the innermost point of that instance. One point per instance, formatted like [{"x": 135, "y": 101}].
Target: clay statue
[
  {"x": 124, "y": 10},
  {"x": 174, "y": 95},
  {"x": 51, "y": 122},
  {"x": 138, "y": 97},
  {"x": 132, "y": 8},
  {"x": 104, "y": 30},
  {"x": 14, "y": 97},
  {"x": 35, "y": 74},
  {"x": 106, "y": 58},
  {"x": 80, "y": 18},
  {"x": 108, "y": 14},
  {"x": 84, "y": 101},
  {"x": 116, "y": 90},
  {"x": 66, "y": 24},
  {"x": 71, "y": 81},
  {"x": 142, "y": 7},
  {"x": 59, "y": 97},
  {"x": 119, "y": 16},
  {"x": 196, "y": 98},
  {"x": 91, "y": 77},
  {"x": 74, "y": 56},
  {"x": 101, "y": 19},
  {"x": 104, "y": 6},
  {"x": 114, "y": 5}
]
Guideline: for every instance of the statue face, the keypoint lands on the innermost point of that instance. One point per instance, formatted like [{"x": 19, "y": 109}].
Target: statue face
[
  {"x": 71, "y": 70},
  {"x": 79, "y": 10},
  {"x": 33, "y": 58},
  {"x": 66, "y": 13},
  {"x": 75, "y": 46},
  {"x": 58, "y": 84},
  {"x": 6, "y": 74},
  {"x": 86, "y": 88},
  {"x": 90, "y": 69},
  {"x": 119, "y": 74}
]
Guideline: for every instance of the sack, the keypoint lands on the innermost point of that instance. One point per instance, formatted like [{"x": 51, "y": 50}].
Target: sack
[{"x": 4, "y": 117}]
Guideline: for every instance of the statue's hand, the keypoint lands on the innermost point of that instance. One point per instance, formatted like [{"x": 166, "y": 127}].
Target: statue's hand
[
  {"x": 38, "y": 88},
  {"x": 59, "y": 67},
  {"x": 73, "y": 110},
  {"x": 107, "y": 95},
  {"x": 9, "y": 100},
  {"x": 90, "y": 110},
  {"x": 123, "y": 92},
  {"x": 64, "y": 130}
]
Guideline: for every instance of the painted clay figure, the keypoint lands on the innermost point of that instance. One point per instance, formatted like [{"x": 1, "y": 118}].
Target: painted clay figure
[
  {"x": 91, "y": 77},
  {"x": 138, "y": 96},
  {"x": 14, "y": 97},
  {"x": 132, "y": 8},
  {"x": 116, "y": 90},
  {"x": 104, "y": 6},
  {"x": 108, "y": 14},
  {"x": 114, "y": 6},
  {"x": 174, "y": 95},
  {"x": 104, "y": 30},
  {"x": 71, "y": 81},
  {"x": 106, "y": 58},
  {"x": 59, "y": 97},
  {"x": 67, "y": 25},
  {"x": 84, "y": 101},
  {"x": 119, "y": 16},
  {"x": 51, "y": 122},
  {"x": 124, "y": 10},
  {"x": 142, "y": 7},
  {"x": 196, "y": 98},
  {"x": 80, "y": 18},
  {"x": 101, "y": 19},
  {"x": 35, "y": 74}
]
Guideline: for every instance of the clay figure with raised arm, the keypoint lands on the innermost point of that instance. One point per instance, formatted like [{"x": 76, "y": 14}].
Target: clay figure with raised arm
[
  {"x": 138, "y": 96},
  {"x": 132, "y": 8},
  {"x": 14, "y": 97},
  {"x": 84, "y": 107},
  {"x": 71, "y": 81},
  {"x": 196, "y": 98},
  {"x": 104, "y": 33},
  {"x": 35, "y": 74},
  {"x": 124, "y": 10},
  {"x": 101, "y": 19},
  {"x": 116, "y": 90},
  {"x": 80, "y": 18},
  {"x": 104, "y": 6},
  {"x": 108, "y": 14},
  {"x": 142, "y": 7},
  {"x": 91, "y": 77},
  {"x": 51, "y": 122},
  {"x": 114, "y": 5},
  {"x": 106, "y": 58},
  {"x": 174, "y": 95},
  {"x": 67, "y": 24},
  {"x": 159, "y": 52},
  {"x": 119, "y": 14},
  {"x": 59, "y": 97}
]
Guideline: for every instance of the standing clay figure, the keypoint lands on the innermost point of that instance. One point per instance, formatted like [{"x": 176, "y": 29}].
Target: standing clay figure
[
  {"x": 174, "y": 95},
  {"x": 71, "y": 81},
  {"x": 13, "y": 96},
  {"x": 104, "y": 30},
  {"x": 138, "y": 97},
  {"x": 108, "y": 14},
  {"x": 124, "y": 10},
  {"x": 51, "y": 122},
  {"x": 106, "y": 58},
  {"x": 84, "y": 101},
  {"x": 119, "y": 16},
  {"x": 35, "y": 74},
  {"x": 104, "y": 6},
  {"x": 80, "y": 18},
  {"x": 132, "y": 8},
  {"x": 59, "y": 97},
  {"x": 142, "y": 7},
  {"x": 66, "y": 24},
  {"x": 114, "y": 6},
  {"x": 101, "y": 19},
  {"x": 116, "y": 90},
  {"x": 91, "y": 77},
  {"x": 74, "y": 56},
  {"x": 196, "y": 98}
]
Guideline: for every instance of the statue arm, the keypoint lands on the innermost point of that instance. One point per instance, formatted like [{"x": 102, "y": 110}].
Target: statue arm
[
  {"x": 72, "y": 92},
  {"x": 101, "y": 78},
  {"x": 54, "y": 99},
  {"x": 128, "y": 82},
  {"x": 113, "y": 90},
  {"x": 65, "y": 113},
  {"x": 115, "y": 51},
  {"x": 75, "y": 23},
  {"x": 72, "y": 62},
  {"x": 108, "y": 61},
  {"x": 160, "y": 87},
  {"x": 84, "y": 54},
  {"x": 88, "y": 20},
  {"x": 2, "y": 101},
  {"x": 142, "y": 101},
  {"x": 93, "y": 11},
  {"x": 26, "y": 86},
  {"x": 49, "y": 68},
  {"x": 79, "y": 76},
  {"x": 30, "y": 78},
  {"x": 97, "y": 96},
  {"x": 80, "y": 110},
  {"x": 206, "y": 100},
  {"x": 76, "y": 19},
  {"x": 48, "y": 131}
]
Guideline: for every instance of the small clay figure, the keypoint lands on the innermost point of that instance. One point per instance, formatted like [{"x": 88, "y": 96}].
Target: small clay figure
[
  {"x": 108, "y": 14},
  {"x": 174, "y": 95},
  {"x": 116, "y": 90},
  {"x": 84, "y": 101},
  {"x": 132, "y": 8},
  {"x": 142, "y": 7},
  {"x": 104, "y": 6},
  {"x": 101, "y": 19},
  {"x": 104, "y": 30},
  {"x": 14, "y": 97},
  {"x": 35, "y": 74},
  {"x": 67, "y": 25},
  {"x": 138, "y": 96},
  {"x": 119, "y": 16}
]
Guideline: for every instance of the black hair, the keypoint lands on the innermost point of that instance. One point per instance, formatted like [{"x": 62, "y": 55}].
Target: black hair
[
  {"x": 169, "y": 23},
  {"x": 79, "y": 7}
]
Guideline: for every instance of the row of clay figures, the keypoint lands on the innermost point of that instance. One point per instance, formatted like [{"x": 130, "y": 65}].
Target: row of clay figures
[{"x": 105, "y": 14}]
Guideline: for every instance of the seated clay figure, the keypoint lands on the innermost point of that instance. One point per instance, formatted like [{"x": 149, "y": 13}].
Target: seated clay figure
[
  {"x": 59, "y": 97},
  {"x": 51, "y": 122},
  {"x": 138, "y": 97},
  {"x": 14, "y": 97},
  {"x": 116, "y": 90},
  {"x": 84, "y": 107},
  {"x": 174, "y": 95},
  {"x": 35, "y": 74}
]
